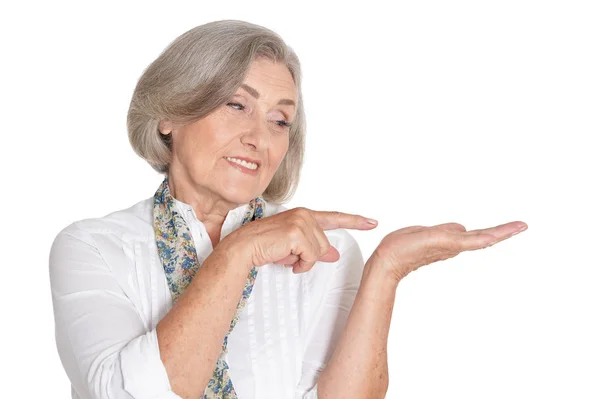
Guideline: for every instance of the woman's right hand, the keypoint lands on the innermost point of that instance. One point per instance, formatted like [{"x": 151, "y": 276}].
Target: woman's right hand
[{"x": 294, "y": 237}]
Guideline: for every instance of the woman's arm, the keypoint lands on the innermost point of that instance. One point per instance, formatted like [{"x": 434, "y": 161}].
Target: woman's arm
[
  {"x": 103, "y": 343},
  {"x": 190, "y": 335},
  {"x": 358, "y": 366}
]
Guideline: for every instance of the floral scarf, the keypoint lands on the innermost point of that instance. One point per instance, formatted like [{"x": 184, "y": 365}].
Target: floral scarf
[{"x": 178, "y": 255}]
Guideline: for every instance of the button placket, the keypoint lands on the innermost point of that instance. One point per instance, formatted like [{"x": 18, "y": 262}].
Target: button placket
[
  {"x": 198, "y": 235},
  {"x": 193, "y": 222}
]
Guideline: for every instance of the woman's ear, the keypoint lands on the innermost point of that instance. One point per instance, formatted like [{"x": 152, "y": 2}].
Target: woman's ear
[{"x": 165, "y": 127}]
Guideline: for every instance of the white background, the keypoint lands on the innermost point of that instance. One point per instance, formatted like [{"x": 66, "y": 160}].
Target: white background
[{"x": 426, "y": 112}]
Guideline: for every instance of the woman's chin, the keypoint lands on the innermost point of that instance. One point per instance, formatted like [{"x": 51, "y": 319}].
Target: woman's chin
[
  {"x": 240, "y": 191},
  {"x": 240, "y": 197}
]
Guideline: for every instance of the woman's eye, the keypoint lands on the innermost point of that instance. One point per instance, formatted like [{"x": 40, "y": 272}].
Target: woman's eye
[
  {"x": 283, "y": 123},
  {"x": 236, "y": 105}
]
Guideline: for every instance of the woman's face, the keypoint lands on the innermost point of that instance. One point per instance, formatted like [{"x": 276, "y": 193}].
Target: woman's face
[{"x": 235, "y": 151}]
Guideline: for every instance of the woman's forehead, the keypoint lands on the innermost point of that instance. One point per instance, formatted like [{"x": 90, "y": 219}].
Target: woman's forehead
[{"x": 268, "y": 78}]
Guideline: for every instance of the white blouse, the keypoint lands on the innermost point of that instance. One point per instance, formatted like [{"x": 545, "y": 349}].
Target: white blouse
[{"x": 109, "y": 291}]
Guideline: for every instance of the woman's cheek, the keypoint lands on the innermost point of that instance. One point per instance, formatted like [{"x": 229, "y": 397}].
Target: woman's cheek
[{"x": 277, "y": 162}]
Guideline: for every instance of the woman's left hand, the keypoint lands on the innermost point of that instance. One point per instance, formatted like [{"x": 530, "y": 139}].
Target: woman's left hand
[{"x": 407, "y": 249}]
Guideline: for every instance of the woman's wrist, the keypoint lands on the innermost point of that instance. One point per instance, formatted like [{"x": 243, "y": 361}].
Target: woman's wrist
[
  {"x": 235, "y": 251},
  {"x": 379, "y": 267}
]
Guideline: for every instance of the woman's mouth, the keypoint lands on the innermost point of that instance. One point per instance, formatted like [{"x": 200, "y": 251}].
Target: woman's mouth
[
  {"x": 247, "y": 167},
  {"x": 246, "y": 164}
]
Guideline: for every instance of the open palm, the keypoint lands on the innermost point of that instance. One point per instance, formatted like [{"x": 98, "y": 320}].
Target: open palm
[{"x": 409, "y": 248}]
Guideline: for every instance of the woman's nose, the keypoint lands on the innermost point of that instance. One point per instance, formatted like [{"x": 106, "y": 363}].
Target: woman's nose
[{"x": 256, "y": 133}]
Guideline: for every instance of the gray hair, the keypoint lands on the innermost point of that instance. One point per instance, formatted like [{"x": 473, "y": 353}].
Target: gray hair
[{"x": 198, "y": 72}]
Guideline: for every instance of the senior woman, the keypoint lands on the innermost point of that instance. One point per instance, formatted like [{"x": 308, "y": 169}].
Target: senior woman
[{"x": 189, "y": 293}]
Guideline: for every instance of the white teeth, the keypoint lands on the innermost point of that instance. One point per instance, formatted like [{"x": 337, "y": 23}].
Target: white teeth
[{"x": 249, "y": 165}]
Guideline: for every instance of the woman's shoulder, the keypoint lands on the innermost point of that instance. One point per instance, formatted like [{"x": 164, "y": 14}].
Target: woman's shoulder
[
  {"x": 134, "y": 222},
  {"x": 101, "y": 251}
]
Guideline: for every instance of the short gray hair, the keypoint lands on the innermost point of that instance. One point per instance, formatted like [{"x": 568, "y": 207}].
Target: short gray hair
[{"x": 198, "y": 72}]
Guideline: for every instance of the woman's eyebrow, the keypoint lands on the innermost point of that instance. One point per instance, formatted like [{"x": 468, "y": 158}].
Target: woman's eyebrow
[{"x": 255, "y": 94}]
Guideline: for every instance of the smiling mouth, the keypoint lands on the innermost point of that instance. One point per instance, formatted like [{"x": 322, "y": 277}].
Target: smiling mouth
[{"x": 243, "y": 163}]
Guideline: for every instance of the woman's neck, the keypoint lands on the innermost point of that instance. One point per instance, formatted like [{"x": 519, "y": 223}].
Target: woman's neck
[{"x": 210, "y": 208}]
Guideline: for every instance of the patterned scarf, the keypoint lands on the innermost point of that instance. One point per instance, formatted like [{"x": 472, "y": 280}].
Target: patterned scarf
[{"x": 178, "y": 255}]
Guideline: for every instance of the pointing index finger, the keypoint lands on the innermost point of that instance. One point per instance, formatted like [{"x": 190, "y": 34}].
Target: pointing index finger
[{"x": 339, "y": 220}]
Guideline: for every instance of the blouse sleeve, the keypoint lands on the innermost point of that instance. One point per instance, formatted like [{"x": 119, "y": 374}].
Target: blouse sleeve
[
  {"x": 330, "y": 318},
  {"x": 103, "y": 345}
]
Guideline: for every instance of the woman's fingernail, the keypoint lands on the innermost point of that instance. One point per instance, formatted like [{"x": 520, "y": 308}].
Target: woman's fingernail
[
  {"x": 523, "y": 227},
  {"x": 371, "y": 221}
]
